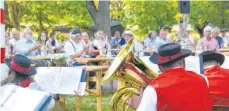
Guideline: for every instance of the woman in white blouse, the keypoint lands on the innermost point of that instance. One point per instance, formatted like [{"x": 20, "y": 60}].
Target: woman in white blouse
[{"x": 101, "y": 41}]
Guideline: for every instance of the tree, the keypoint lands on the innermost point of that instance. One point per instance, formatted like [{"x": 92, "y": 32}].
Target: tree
[
  {"x": 100, "y": 16},
  {"x": 42, "y": 15},
  {"x": 205, "y": 12},
  {"x": 148, "y": 15}
]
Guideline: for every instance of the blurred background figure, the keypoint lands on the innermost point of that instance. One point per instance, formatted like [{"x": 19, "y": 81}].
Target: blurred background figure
[
  {"x": 187, "y": 41},
  {"x": 149, "y": 42},
  {"x": 225, "y": 37},
  {"x": 57, "y": 48},
  {"x": 137, "y": 46},
  {"x": 74, "y": 47},
  {"x": 15, "y": 37},
  {"x": 46, "y": 45},
  {"x": 86, "y": 40},
  {"x": 7, "y": 45},
  {"x": 207, "y": 42},
  {"x": 27, "y": 45},
  {"x": 117, "y": 40},
  {"x": 101, "y": 42},
  {"x": 162, "y": 39},
  {"x": 215, "y": 34}
]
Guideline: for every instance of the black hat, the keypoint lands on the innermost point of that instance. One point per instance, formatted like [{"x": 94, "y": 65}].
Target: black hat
[
  {"x": 170, "y": 52},
  {"x": 21, "y": 64},
  {"x": 223, "y": 30},
  {"x": 76, "y": 31},
  {"x": 210, "y": 55}
]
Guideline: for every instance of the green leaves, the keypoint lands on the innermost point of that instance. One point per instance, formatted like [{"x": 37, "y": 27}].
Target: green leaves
[{"x": 42, "y": 15}]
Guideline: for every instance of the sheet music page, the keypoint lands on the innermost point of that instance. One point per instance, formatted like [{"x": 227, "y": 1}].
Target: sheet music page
[
  {"x": 3, "y": 72},
  {"x": 193, "y": 64},
  {"x": 152, "y": 66},
  {"x": 81, "y": 89},
  {"x": 59, "y": 80},
  {"x": 22, "y": 99},
  {"x": 226, "y": 63}
]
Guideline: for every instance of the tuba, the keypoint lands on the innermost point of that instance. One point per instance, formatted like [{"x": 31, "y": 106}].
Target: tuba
[{"x": 132, "y": 74}]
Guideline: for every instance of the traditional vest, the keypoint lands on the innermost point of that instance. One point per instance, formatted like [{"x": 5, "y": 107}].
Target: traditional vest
[
  {"x": 180, "y": 90},
  {"x": 218, "y": 81}
]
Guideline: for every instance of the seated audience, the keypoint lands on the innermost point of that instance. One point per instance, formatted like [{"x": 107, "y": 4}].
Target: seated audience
[
  {"x": 46, "y": 46},
  {"x": 138, "y": 47},
  {"x": 8, "y": 50},
  {"x": 149, "y": 42},
  {"x": 207, "y": 42},
  {"x": 117, "y": 40},
  {"x": 215, "y": 34},
  {"x": 86, "y": 40},
  {"x": 14, "y": 39},
  {"x": 162, "y": 39},
  {"x": 75, "y": 48},
  {"x": 57, "y": 48},
  {"x": 187, "y": 41},
  {"x": 100, "y": 42},
  {"x": 27, "y": 45},
  {"x": 225, "y": 37}
]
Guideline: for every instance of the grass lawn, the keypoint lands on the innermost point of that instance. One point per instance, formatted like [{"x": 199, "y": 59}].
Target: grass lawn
[{"x": 88, "y": 103}]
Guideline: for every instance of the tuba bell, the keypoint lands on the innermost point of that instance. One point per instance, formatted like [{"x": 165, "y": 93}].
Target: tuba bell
[{"x": 132, "y": 74}]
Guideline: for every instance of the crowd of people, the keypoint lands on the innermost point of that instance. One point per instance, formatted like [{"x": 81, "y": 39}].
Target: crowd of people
[{"x": 79, "y": 42}]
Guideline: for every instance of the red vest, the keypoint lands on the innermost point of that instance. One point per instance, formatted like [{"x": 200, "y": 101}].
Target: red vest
[
  {"x": 180, "y": 90},
  {"x": 218, "y": 81}
]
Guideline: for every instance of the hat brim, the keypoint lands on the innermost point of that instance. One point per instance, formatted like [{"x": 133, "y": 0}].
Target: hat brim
[
  {"x": 185, "y": 53},
  {"x": 223, "y": 30},
  {"x": 31, "y": 72},
  {"x": 214, "y": 56}
]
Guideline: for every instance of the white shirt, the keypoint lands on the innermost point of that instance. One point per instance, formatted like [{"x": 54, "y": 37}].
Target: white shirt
[
  {"x": 69, "y": 49},
  {"x": 149, "y": 100},
  {"x": 100, "y": 44},
  {"x": 12, "y": 41},
  {"x": 226, "y": 39}
]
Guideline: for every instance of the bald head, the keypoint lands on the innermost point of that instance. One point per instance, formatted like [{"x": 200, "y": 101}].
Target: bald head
[{"x": 16, "y": 34}]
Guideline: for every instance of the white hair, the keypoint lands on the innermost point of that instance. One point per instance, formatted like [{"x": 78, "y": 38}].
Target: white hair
[
  {"x": 97, "y": 34},
  {"x": 85, "y": 34},
  {"x": 207, "y": 28},
  {"x": 216, "y": 29},
  {"x": 172, "y": 65},
  {"x": 26, "y": 30},
  {"x": 210, "y": 63}
]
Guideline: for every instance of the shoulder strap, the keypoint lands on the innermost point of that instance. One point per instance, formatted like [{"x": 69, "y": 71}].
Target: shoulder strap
[{"x": 73, "y": 46}]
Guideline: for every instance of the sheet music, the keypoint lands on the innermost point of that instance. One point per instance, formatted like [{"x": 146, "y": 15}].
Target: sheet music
[
  {"x": 226, "y": 63},
  {"x": 193, "y": 64},
  {"x": 14, "y": 98},
  {"x": 152, "y": 66},
  {"x": 59, "y": 80},
  {"x": 3, "y": 72},
  {"x": 81, "y": 89}
]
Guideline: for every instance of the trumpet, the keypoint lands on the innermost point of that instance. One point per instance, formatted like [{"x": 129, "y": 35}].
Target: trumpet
[{"x": 132, "y": 72}]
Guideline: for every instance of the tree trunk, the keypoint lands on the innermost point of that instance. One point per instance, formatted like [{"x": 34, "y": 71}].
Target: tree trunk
[
  {"x": 12, "y": 17},
  {"x": 101, "y": 17},
  {"x": 223, "y": 13}
]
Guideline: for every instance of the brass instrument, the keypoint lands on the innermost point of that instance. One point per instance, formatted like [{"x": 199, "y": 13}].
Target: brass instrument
[{"x": 132, "y": 72}]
